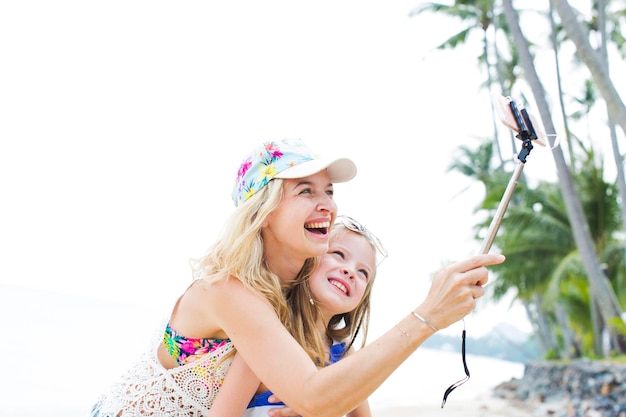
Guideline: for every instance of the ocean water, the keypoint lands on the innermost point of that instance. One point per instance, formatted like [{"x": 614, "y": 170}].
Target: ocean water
[
  {"x": 423, "y": 378},
  {"x": 61, "y": 351}
]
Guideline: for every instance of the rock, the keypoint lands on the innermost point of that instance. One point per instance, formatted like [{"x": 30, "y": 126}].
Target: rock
[{"x": 581, "y": 388}]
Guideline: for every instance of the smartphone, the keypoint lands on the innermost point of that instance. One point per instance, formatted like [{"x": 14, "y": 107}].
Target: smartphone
[{"x": 518, "y": 119}]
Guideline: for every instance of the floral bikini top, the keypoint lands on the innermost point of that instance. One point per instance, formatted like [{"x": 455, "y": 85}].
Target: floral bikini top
[{"x": 187, "y": 349}]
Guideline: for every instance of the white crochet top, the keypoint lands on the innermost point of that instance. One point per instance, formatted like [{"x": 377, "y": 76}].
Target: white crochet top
[{"x": 149, "y": 389}]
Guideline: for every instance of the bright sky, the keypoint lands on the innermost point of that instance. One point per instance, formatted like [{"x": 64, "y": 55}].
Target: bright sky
[{"x": 123, "y": 123}]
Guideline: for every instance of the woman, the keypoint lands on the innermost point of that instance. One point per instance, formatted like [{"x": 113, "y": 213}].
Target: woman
[{"x": 285, "y": 209}]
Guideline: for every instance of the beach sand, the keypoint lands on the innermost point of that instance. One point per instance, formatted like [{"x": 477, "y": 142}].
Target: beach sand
[{"x": 483, "y": 406}]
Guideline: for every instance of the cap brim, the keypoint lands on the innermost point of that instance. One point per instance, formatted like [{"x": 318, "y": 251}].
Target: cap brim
[{"x": 339, "y": 169}]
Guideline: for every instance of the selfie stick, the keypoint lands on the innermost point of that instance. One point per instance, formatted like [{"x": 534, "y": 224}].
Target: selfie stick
[{"x": 521, "y": 123}]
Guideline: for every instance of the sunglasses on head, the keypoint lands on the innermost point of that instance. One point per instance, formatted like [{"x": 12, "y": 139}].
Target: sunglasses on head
[{"x": 353, "y": 225}]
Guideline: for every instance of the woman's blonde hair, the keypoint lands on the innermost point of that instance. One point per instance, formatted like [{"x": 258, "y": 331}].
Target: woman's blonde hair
[
  {"x": 238, "y": 253},
  {"x": 341, "y": 327}
]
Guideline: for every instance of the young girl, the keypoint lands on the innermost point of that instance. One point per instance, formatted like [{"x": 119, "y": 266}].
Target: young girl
[
  {"x": 285, "y": 209},
  {"x": 334, "y": 304}
]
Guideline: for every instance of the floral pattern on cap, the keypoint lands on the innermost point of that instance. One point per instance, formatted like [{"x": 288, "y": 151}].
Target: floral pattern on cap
[{"x": 265, "y": 162}]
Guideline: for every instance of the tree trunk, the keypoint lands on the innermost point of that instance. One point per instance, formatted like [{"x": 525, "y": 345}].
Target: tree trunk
[
  {"x": 555, "y": 47},
  {"x": 617, "y": 155},
  {"x": 546, "y": 338},
  {"x": 592, "y": 60},
  {"x": 596, "y": 327},
  {"x": 570, "y": 350},
  {"x": 599, "y": 286}
]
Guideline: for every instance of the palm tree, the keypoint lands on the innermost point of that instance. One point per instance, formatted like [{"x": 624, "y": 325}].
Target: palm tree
[
  {"x": 544, "y": 266},
  {"x": 480, "y": 16},
  {"x": 619, "y": 40},
  {"x": 538, "y": 231},
  {"x": 601, "y": 290},
  {"x": 478, "y": 165},
  {"x": 535, "y": 235},
  {"x": 592, "y": 59},
  {"x": 600, "y": 23}
]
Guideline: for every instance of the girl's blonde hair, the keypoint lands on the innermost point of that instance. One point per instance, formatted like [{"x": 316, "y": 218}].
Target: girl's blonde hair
[
  {"x": 238, "y": 253},
  {"x": 341, "y": 327}
]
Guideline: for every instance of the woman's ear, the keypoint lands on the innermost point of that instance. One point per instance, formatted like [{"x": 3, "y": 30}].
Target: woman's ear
[{"x": 266, "y": 222}]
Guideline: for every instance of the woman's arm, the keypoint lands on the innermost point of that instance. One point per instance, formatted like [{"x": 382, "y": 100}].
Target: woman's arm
[
  {"x": 277, "y": 359},
  {"x": 238, "y": 388},
  {"x": 362, "y": 410}
]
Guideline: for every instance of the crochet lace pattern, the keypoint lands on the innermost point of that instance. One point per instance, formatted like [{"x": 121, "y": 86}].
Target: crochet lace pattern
[{"x": 149, "y": 389}]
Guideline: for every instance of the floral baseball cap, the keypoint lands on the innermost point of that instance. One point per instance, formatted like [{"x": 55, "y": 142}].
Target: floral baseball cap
[{"x": 287, "y": 158}]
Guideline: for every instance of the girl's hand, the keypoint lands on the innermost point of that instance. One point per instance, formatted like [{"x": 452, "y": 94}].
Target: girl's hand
[{"x": 284, "y": 411}]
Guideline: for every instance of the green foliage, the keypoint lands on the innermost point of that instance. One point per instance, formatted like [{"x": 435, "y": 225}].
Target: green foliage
[
  {"x": 544, "y": 267},
  {"x": 619, "y": 359},
  {"x": 619, "y": 326},
  {"x": 536, "y": 236},
  {"x": 551, "y": 354}
]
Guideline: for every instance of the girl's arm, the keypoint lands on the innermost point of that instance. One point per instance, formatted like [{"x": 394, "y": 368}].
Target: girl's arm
[
  {"x": 238, "y": 388},
  {"x": 277, "y": 359}
]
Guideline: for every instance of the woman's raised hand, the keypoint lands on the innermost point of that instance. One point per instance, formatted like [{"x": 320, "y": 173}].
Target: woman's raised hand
[{"x": 455, "y": 288}]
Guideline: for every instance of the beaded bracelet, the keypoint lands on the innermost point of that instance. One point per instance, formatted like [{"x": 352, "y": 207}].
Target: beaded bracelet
[{"x": 429, "y": 324}]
